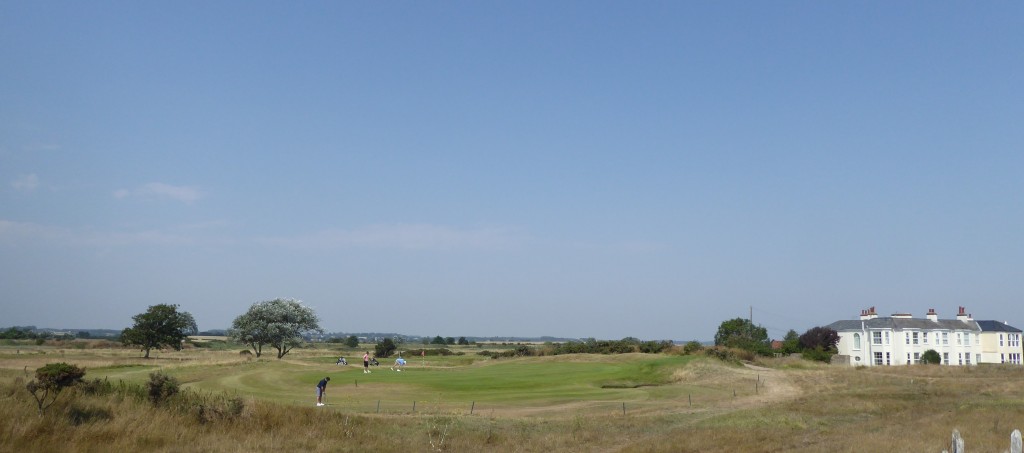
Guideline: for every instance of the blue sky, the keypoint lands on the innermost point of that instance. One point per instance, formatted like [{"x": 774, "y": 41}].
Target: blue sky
[{"x": 581, "y": 169}]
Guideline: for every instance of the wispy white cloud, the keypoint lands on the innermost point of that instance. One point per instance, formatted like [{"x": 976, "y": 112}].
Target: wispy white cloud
[
  {"x": 404, "y": 236},
  {"x": 26, "y": 183},
  {"x": 185, "y": 194}
]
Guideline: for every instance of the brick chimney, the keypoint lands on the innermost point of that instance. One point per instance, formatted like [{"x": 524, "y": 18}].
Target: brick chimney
[
  {"x": 962, "y": 315},
  {"x": 932, "y": 316},
  {"x": 868, "y": 314}
]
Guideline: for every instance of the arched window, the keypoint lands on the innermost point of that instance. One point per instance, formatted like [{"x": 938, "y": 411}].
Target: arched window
[{"x": 856, "y": 341}]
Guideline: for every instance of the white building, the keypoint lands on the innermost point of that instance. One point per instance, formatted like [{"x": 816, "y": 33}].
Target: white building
[
  {"x": 901, "y": 339},
  {"x": 1000, "y": 342}
]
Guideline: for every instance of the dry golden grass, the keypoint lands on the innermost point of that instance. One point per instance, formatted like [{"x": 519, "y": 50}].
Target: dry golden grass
[{"x": 797, "y": 407}]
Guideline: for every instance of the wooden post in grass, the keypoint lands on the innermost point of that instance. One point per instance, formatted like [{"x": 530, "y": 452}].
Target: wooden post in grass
[
  {"x": 957, "y": 444},
  {"x": 414, "y": 405},
  {"x": 471, "y": 407},
  {"x": 378, "y": 406},
  {"x": 689, "y": 398},
  {"x": 623, "y": 408}
]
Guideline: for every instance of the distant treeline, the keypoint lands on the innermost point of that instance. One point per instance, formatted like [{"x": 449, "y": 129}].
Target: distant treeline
[
  {"x": 588, "y": 346},
  {"x": 34, "y": 333}
]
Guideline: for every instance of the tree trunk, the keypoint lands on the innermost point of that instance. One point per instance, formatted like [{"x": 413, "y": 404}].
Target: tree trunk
[{"x": 147, "y": 354}]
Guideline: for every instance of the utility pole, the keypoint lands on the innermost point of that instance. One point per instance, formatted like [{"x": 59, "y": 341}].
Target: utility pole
[{"x": 750, "y": 328}]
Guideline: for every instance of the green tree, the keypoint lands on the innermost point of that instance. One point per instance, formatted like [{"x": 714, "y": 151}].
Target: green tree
[
  {"x": 463, "y": 341},
  {"x": 741, "y": 333},
  {"x": 791, "y": 342},
  {"x": 384, "y": 348},
  {"x": 50, "y": 380},
  {"x": 352, "y": 341},
  {"x": 820, "y": 338},
  {"x": 161, "y": 325},
  {"x": 449, "y": 340},
  {"x": 438, "y": 340},
  {"x": 931, "y": 357},
  {"x": 280, "y": 323}
]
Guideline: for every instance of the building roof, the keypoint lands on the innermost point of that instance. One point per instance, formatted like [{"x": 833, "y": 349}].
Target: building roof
[
  {"x": 903, "y": 323},
  {"x": 996, "y": 326}
]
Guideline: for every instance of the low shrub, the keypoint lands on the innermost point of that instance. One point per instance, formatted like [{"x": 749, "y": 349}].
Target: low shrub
[
  {"x": 161, "y": 387},
  {"x": 818, "y": 354},
  {"x": 692, "y": 347}
]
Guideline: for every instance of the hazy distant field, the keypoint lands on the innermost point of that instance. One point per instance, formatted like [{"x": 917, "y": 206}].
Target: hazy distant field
[{"x": 631, "y": 402}]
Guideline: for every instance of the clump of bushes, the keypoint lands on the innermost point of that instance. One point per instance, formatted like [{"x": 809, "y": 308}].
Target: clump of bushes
[
  {"x": 161, "y": 387},
  {"x": 431, "y": 352},
  {"x": 692, "y": 347},
  {"x": 518, "y": 351},
  {"x": 931, "y": 357},
  {"x": 623, "y": 346},
  {"x": 818, "y": 354},
  {"x": 732, "y": 355}
]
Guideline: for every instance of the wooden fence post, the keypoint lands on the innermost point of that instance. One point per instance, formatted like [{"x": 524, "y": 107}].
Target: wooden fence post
[{"x": 957, "y": 445}]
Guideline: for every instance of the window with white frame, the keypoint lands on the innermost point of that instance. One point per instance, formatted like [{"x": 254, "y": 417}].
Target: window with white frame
[
  {"x": 887, "y": 338},
  {"x": 906, "y": 337},
  {"x": 924, "y": 337},
  {"x": 960, "y": 358},
  {"x": 1000, "y": 340},
  {"x": 856, "y": 341},
  {"x": 908, "y": 358},
  {"x": 945, "y": 358},
  {"x": 876, "y": 337},
  {"x": 878, "y": 358},
  {"x": 977, "y": 358},
  {"x": 967, "y": 358},
  {"x": 1002, "y": 357},
  {"x": 959, "y": 339},
  {"x": 914, "y": 337},
  {"x": 945, "y": 337},
  {"x": 967, "y": 339},
  {"x": 887, "y": 359},
  {"x": 917, "y": 358}
]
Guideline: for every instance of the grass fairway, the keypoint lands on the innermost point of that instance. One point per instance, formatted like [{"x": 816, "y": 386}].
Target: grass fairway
[
  {"x": 614, "y": 403},
  {"x": 507, "y": 385}
]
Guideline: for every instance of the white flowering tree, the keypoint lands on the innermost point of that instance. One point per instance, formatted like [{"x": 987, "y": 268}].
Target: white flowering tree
[{"x": 279, "y": 323}]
